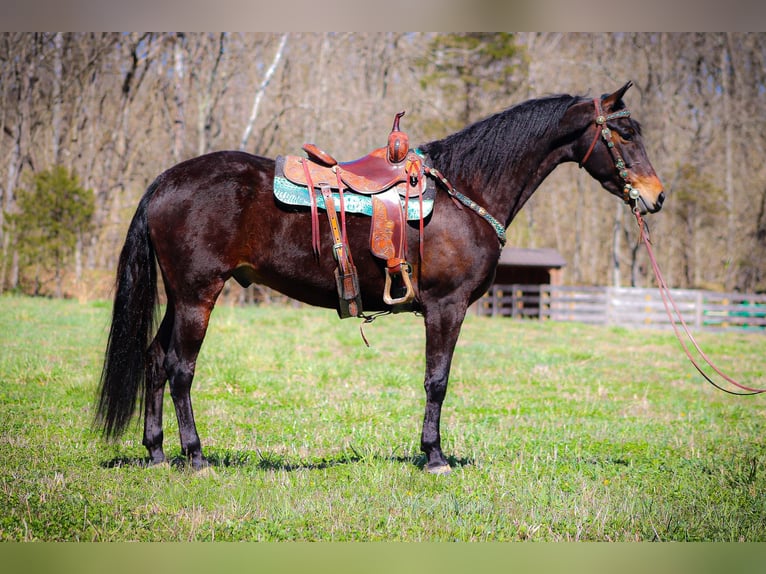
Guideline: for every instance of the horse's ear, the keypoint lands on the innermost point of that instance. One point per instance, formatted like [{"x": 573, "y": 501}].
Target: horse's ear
[
  {"x": 582, "y": 113},
  {"x": 579, "y": 115},
  {"x": 613, "y": 101}
]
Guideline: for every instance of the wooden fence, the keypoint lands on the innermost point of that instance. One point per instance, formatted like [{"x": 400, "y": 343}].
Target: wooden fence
[{"x": 702, "y": 310}]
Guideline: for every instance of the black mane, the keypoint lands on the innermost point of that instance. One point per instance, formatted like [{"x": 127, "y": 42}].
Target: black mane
[{"x": 495, "y": 144}]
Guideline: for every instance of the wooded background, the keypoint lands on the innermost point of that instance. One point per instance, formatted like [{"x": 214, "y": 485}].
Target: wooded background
[{"x": 114, "y": 110}]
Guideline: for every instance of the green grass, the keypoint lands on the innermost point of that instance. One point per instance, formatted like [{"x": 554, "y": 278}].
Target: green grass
[{"x": 555, "y": 432}]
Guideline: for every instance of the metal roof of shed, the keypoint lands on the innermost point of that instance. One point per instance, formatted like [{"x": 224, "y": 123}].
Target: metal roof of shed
[{"x": 542, "y": 257}]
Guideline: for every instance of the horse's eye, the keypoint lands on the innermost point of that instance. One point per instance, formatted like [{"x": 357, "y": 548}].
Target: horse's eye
[{"x": 628, "y": 134}]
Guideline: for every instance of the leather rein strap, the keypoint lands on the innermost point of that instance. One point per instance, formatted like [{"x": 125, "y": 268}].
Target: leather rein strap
[
  {"x": 631, "y": 196},
  {"x": 668, "y": 302}
]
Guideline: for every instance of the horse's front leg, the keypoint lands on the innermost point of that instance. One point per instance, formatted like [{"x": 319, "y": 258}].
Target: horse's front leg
[{"x": 442, "y": 324}]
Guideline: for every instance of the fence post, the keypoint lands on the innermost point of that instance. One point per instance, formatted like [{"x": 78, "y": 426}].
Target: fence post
[
  {"x": 514, "y": 287},
  {"x": 610, "y": 304}
]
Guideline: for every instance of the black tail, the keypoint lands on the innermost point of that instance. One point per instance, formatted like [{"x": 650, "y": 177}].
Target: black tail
[{"x": 133, "y": 320}]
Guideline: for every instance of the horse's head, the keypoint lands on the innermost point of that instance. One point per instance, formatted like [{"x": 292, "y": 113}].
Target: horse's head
[{"x": 612, "y": 151}]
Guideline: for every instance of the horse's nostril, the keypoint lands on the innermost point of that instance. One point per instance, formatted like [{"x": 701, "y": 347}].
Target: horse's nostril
[{"x": 660, "y": 199}]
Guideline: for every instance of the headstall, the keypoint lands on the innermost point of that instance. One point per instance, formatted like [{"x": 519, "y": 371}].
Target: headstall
[{"x": 630, "y": 193}]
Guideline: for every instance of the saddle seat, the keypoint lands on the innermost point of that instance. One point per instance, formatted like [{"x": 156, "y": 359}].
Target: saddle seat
[
  {"x": 367, "y": 175},
  {"x": 387, "y": 174}
]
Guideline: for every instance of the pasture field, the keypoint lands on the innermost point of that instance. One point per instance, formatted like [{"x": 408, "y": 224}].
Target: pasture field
[{"x": 556, "y": 432}]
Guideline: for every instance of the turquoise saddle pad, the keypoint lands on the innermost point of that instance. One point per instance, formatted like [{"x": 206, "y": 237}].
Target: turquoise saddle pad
[{"x": 289, "y": 193}]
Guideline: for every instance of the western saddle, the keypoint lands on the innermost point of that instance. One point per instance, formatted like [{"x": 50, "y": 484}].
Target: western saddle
[{"x": 390, "y": 175}]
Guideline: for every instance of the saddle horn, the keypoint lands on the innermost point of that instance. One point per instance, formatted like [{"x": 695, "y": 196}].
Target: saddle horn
[{"x": 398, "y": 142}]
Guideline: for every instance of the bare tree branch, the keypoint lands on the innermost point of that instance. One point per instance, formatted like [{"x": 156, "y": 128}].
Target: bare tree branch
[{"x": 261, "y": 90}]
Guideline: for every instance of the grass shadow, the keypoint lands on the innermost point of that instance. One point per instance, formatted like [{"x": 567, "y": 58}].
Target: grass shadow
[
  {"x": 605, "y": 460},
  {"x": 126, "y": 461},
  {"x": 238, "y": 459},
  {"x": 273, "y": 461},
  {"x": 420, "y": 461}
]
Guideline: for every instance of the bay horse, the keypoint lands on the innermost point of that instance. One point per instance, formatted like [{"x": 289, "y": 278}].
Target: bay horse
[{"x": 214, "y": 217}]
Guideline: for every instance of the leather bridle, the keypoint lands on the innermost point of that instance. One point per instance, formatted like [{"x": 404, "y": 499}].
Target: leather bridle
[
  {"x": 629, "y": 193},
  {"x": 631, "y": 196}
]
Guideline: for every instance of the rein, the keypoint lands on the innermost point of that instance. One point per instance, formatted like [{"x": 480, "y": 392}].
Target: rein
[
  {"x": 631, "y": 196},
  {"x": 668, "y": 302}
]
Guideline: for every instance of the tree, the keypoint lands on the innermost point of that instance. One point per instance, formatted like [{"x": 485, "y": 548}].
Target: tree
[
  {"x": 473, "y": 67},
  {"x": 697, "y": 216},
  {"x": 118, "y": 108},
  {"x": 53, "y": 214},
  {"x": 261, "y": 90}
]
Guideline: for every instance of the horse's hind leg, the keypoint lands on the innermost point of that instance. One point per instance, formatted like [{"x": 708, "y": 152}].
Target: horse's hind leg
[
  {"x": 156, "y": 377},
  {"x": 189, "y": 328}
]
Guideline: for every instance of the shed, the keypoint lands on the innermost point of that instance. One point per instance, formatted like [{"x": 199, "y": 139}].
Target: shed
[
  {"x": 543, "y": 266},
  {"x": 520, "y": 273}
]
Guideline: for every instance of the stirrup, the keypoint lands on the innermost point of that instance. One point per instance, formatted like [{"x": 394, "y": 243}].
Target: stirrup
[{"x": 410, "y": 292}]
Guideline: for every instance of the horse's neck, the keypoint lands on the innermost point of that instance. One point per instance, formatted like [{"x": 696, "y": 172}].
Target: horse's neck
[
  {"x": 526, "y": 178},
  {"x": 504, "y": 193},
  {"x": 510, "y": 192}
]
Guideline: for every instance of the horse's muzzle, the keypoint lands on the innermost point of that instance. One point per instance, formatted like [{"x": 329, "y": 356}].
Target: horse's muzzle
[
  {"x": 656, "y": 205},
  {"x": 651, "y": 193}
]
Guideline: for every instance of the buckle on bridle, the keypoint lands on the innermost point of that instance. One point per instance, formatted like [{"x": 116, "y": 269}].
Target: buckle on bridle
[{"x": 630, "y": 194}]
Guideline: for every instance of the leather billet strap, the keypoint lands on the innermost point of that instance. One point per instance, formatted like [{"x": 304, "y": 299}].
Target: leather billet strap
[
  {"x": 315, "y": 242},
  {"x": 346, "y": 276},
  {"x": 342, "y": 201}
]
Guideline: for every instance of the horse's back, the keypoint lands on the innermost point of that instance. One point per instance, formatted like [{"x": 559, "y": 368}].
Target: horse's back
[{"x": 213, "y": 176}]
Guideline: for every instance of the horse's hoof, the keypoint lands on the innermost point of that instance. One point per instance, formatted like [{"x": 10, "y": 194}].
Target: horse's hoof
[{"x": 442, "y": 469}]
